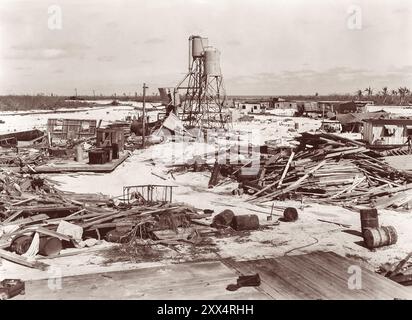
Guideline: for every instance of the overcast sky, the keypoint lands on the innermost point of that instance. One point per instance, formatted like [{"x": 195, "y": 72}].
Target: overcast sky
[{"x": 267, "y": 47}]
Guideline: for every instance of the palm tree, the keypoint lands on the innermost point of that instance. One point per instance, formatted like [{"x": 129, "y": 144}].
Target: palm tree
[
  {"x": 369, "y": 91},
  {"x": 384, "y": 94},
  {"x": 402, "y": 93},
  {"x": 394, "y": 93},
  {"x": 406, "y": 93}
]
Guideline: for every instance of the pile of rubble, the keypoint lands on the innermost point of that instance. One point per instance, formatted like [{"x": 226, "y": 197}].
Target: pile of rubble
[
  {"x": 327, "y": 168},
  {"x": 37, "y": 219},
  {"x": 23, "y": 158}
]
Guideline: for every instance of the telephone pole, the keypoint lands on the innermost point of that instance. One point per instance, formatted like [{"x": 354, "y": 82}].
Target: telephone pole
[{"x": 144, "y": 115}]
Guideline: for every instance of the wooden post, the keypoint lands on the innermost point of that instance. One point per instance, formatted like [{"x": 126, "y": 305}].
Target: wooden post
[
  {"x": 144, "y": 115},
  {"x": 285, "y": 171}
]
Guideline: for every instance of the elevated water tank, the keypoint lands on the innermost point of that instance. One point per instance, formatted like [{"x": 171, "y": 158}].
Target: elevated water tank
[
  {"x": 212, "y": 61},
  {"x": 198, "y": 45}
]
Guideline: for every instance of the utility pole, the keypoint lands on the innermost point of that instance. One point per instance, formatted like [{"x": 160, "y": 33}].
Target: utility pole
[
  {"x": 75, "y": 90},
  {"x": 144, "y": 115}
]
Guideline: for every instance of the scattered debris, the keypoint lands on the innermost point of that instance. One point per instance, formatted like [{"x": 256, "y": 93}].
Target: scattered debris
[
  {"x": 329, "y": 169},
  {"x": 245, "y": 281},
  {"x": 10, "y": 288}
]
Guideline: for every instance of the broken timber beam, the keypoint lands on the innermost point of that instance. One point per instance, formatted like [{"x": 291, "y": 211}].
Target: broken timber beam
[
  {"x": 10, "y": 256},
  {"x": 294, "y": 185},
  {"x": 286, "y": 169}
]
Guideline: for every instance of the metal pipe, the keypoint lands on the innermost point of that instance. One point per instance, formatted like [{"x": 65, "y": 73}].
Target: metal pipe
[
  {"x": 144, "y": 115},
  {"x": 190, "y": 52}
]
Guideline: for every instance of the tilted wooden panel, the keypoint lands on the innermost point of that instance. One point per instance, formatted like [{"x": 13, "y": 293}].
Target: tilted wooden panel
[{"x": 318, "y": 275}]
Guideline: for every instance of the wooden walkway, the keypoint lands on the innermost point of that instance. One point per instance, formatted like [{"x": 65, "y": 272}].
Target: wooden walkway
[
  {"x": 199, "y": 281},
  {"x": 73, "y": 166},
  {"x": 318, "y": 275}
]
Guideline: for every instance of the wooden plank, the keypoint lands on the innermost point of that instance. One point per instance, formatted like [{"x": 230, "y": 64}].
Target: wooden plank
[
  {"x": 286, "y": 169},
  {"x": 356, "y": 182},
  {"x": 10, "y": 256},
  {"x": 23, "y": 201},
  {"x": 64, "y": 167},
  {"x": 12, "y": 217},
  {"x": 47, "y": 209},
  {"x": 318, "y": 275},
  {"x": 374, "y": 285},
  {"x": 333, "y": 285},
  {"x": 111, "y": 216},
  {"x": 400, "y": 265},
  {"x": 199, "y": 281},
  {"x": 275, "y": 274},
  {"x": 76, "y": 217},
  {"x": 50, "y": 233},
  {"x": 36, "y": 218},
  {"x": 295, "y": 184},
  {"x": 278, "y": 285}
]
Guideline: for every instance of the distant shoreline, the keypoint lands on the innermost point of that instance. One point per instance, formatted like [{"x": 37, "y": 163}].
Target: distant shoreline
[{"x": 45, "y": 111}]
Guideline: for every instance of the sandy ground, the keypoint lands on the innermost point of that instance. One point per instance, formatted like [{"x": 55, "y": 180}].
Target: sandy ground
[
  {"x": 305, "y": 235},
  {"x": 397, "y": 110}
]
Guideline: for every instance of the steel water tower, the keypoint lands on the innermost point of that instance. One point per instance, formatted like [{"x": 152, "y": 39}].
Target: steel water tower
[{"x": 202, "y": 89}]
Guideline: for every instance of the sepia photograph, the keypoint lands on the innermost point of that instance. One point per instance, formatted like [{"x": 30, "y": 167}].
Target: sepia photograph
[{"x": 207, "y": 151}]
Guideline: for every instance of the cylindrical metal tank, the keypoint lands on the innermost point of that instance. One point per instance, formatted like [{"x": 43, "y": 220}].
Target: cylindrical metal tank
[
  {"x": 50, "y": 246},
  {"x": 212, "y": 61},
  {"x": 198, "y": 45},
  {"x": 21, "y": 244},
  {"x": 245, "y": 222},
  {"x": 290, "y": 214},
  {"x": 369, "y": 219},
  {"x": 223, "y": 219},
  {"x": 379, "y": 237}
]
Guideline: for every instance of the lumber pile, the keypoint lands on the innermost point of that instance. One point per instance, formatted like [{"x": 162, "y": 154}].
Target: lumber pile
[
  {"x": 36, "y": 219},
  {"x": 329, "y": 169},
  {"x": 24, "y": 157}
]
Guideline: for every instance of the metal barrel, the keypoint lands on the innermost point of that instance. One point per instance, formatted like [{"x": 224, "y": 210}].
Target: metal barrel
[
  {"x": 223, "y": 219},
  {"x": 369, "y": 219},
  {"x": 290, "y": 214},
  {"x": 21, "y": 244},
  {"x": 79, "y": 153},
  {"x": 245, "y": 222},
  {"x": 50, "y": 246},
  {"x": 380, "y": 237}
]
